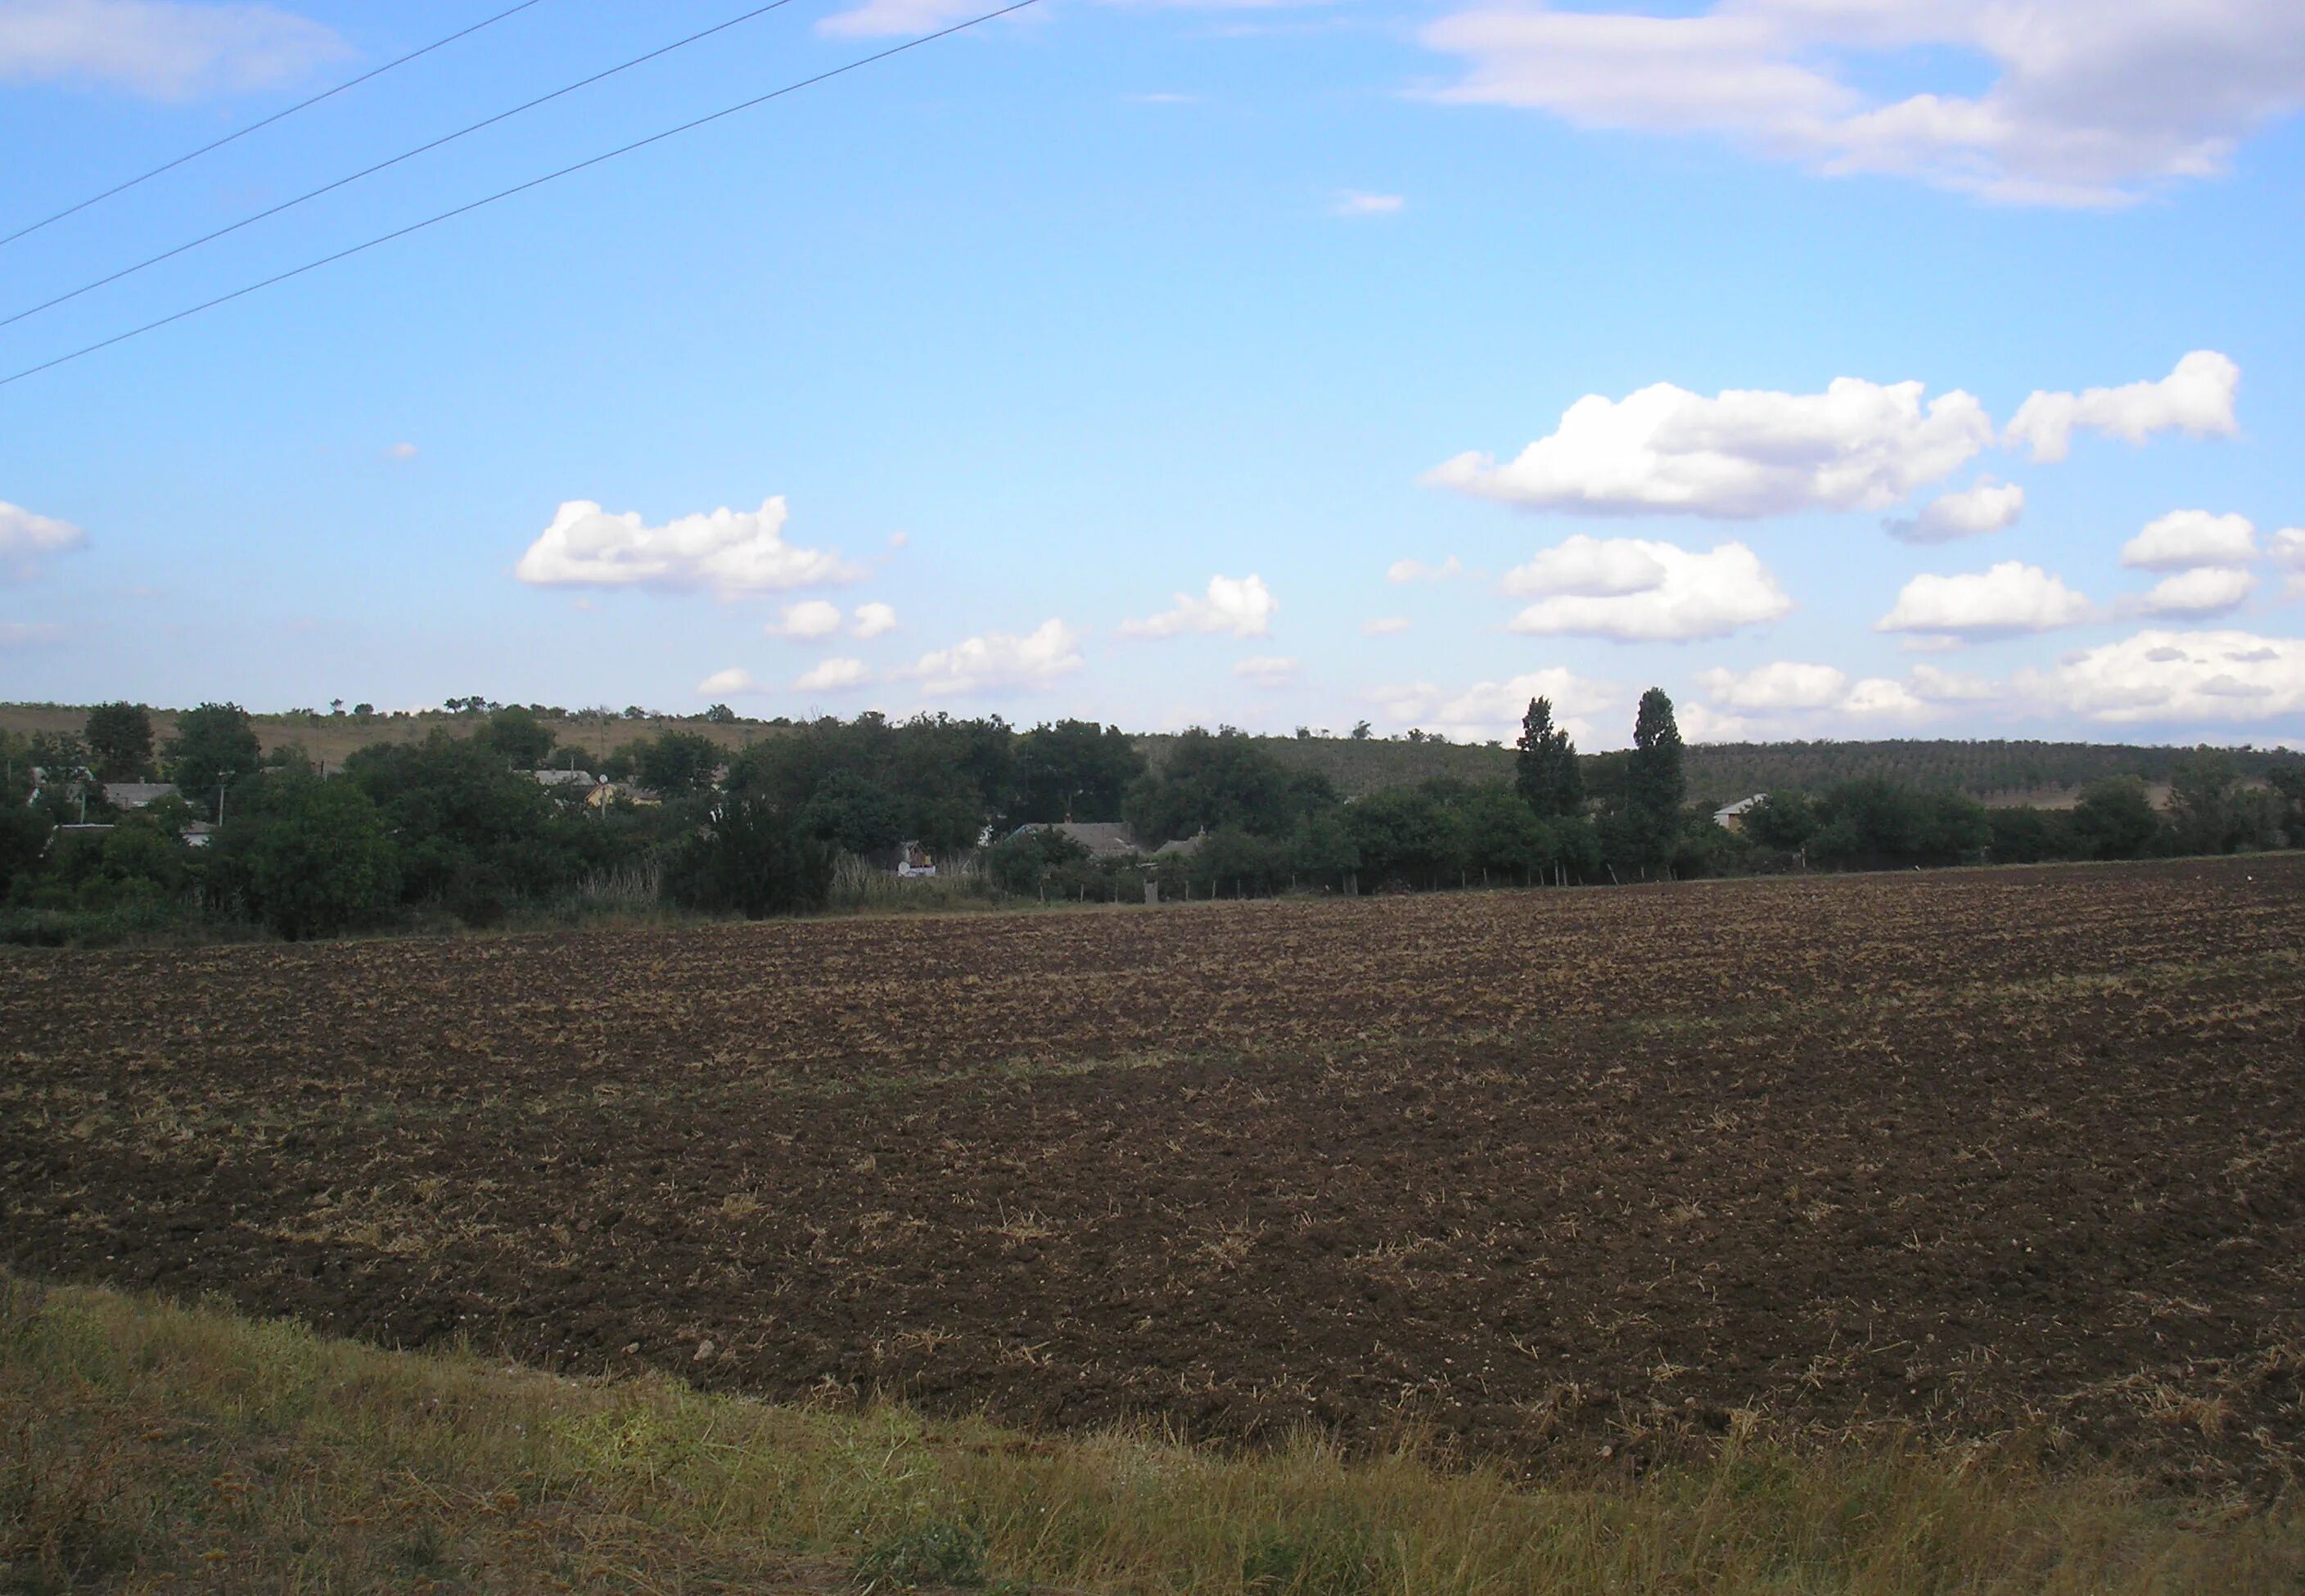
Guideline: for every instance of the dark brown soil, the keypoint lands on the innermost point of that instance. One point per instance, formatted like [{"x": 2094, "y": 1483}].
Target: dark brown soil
[{"x": 1538, "y": 1173}]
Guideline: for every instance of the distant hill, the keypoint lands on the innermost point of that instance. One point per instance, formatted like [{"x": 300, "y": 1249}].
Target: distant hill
[{"x": 1993, "y": 770}]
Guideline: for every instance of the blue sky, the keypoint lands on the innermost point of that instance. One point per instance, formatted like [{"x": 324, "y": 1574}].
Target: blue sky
[{"x": 1035, "y": 345}]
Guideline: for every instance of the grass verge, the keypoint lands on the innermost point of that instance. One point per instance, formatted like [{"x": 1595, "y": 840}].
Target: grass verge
[{"x": 144, "y": 1445}]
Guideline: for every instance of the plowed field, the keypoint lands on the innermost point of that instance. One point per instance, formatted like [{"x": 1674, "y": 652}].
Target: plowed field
[{"x": 1542, "y": 1173}]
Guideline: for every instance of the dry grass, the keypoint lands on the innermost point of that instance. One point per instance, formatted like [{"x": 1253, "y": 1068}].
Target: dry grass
[{"x": 144, "y": 1446}]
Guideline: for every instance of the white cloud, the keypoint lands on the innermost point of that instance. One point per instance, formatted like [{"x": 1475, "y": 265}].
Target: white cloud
[
  {"x": 25, "y": 538},
  {"x": 1494, "y": 709},
  {"x": 2089, "y": 102},
  {"x": 2195, "y": 398},
  {"x": 29, "y": 635},
  {"x": 1408, "y": 571},
  {"x": 1789, "y": 687},
  {"x": 1879, "y": 698},
  {"x": 2176, "y": 677},
  {"x": 1701, "y": 723},
  {"x": 2287, "y": 547},
  {"x": 807, "y": 621},
  {"x": 1000, "y": 661},
  {"x": 2010, "y": 597},
  {"x": 1354, "y": 204},
  {"x": 2202, "y": 592},
  {"x": 2184, "y": 538},
  {"x": 1783, "y": 685},
  {"x": 1632, "y": 590},
  {"x": 403, "y": 451},
  {"x": 1242, "y": 607},
  {"x": 729, "y": 552},
  {"x": 160, "y": 47},
  {"x": 1384, "y": 626},
  {"x": 730, "y": 683},
  {"x": 873, "y": 620},
  {"x": 1742, "y": 454},
  {"x": 834, "y": 676},
  {"x": 1267, "y": 670},
  {"x": 1990, "y": 506}
]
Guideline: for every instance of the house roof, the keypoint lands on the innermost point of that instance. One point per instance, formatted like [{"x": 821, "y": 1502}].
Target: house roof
[
  {"x": 1101, "y": 838},
  {"x": 1729, "y": 810},
  {"x": 136, "y": 795}
]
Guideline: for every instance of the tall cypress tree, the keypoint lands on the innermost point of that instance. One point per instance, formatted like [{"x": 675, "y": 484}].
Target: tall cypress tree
[
  {"x": 1546, "y": 769},
  {"x": 1655, "y": 786}
]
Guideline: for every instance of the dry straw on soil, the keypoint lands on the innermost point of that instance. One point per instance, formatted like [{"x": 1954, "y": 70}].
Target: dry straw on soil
[{"x": 145, "y": 1446}]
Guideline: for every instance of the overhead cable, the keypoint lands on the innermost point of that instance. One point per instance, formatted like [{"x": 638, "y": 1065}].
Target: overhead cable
[
  {"x": 533, "y": 182},
  {"x": 165, "y": 167},
  {"x": 405, "y": 155}
]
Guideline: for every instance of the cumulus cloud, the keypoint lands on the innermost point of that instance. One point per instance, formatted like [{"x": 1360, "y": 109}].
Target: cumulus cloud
[
  {"x": 29, "y": 635},
  {"x": 2184, "y": 538},
  {"x": 728, "y": 683},
  {"x": 160, "y": 48},
  {"x": 1788, "y": 687},
  {"x": 2203, "y": 592},
  {"x": 1384, "y": 626},
  {"x": 730, "y": 552},
  {"x": 1741, "y": 454},
  {"x": 2195, "y": 399},
  {"x": 807, "y": 621},
  {"x": 1631, "y": 591},
  {"x": 873, "y": 620},
  {"x": 834, "y": 676},
  {"x": 25, "y": 538},
  {"x": 2287, "y": 547},
  {"x": 1000, "y": 662},
  {"x": 1699, "y": 723},
  {"x": 1879, "y": 698},
  {"x": 1354, "y": 204},
  {"x": 1783, "y": 685},
  {"x": 2010, "y": 598},
  {"x": 2089, "y": 102},
  {"x": 1494, "y": 709},
  {"x": 1267, "y": 670},
  {"x": 1408, "y": 571},
  {"x": 1244, "y": 607},
  {"x": 2176, "y": 677},
  {"x": 1990, "y": 506}
]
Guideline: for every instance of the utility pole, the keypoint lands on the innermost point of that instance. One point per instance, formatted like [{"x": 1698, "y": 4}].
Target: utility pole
[{"x": 223, "y": 778}]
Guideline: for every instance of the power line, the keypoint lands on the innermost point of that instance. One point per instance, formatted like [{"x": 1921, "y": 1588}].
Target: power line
[
  {"x": 533, "y": 182},
  {"x": 405, "y": 155},
  {"x": 254, "y": 126}
]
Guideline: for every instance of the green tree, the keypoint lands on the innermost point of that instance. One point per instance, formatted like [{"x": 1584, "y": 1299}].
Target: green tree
[
  {"x": 1074, "y": 770},
  {"x": 1545, "y": 767},
  {"x": 1784, "y": 822},
  {"x": 1654, "y": 785},
  {"x": 677, "y": 762},
  {"x": 524, "y": 742},
  {"x": 1212, "y": 781},
  {"x": 119, "y": 738},
  {"x": 1402, "y": 834},
  {"x": 2201, "y": 809},
  {"x": 213, "y": 743},
  {"x": 1501, "y": 835},
  {"x": 751, "y": 861},
  {"x": 854, "y": 815},
  {"x": 319, "y": 863},
  {"x": 2115, "y": 820}
]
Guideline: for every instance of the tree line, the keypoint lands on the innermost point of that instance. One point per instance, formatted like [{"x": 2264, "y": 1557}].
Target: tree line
[{"x": 459, "y": 828}]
